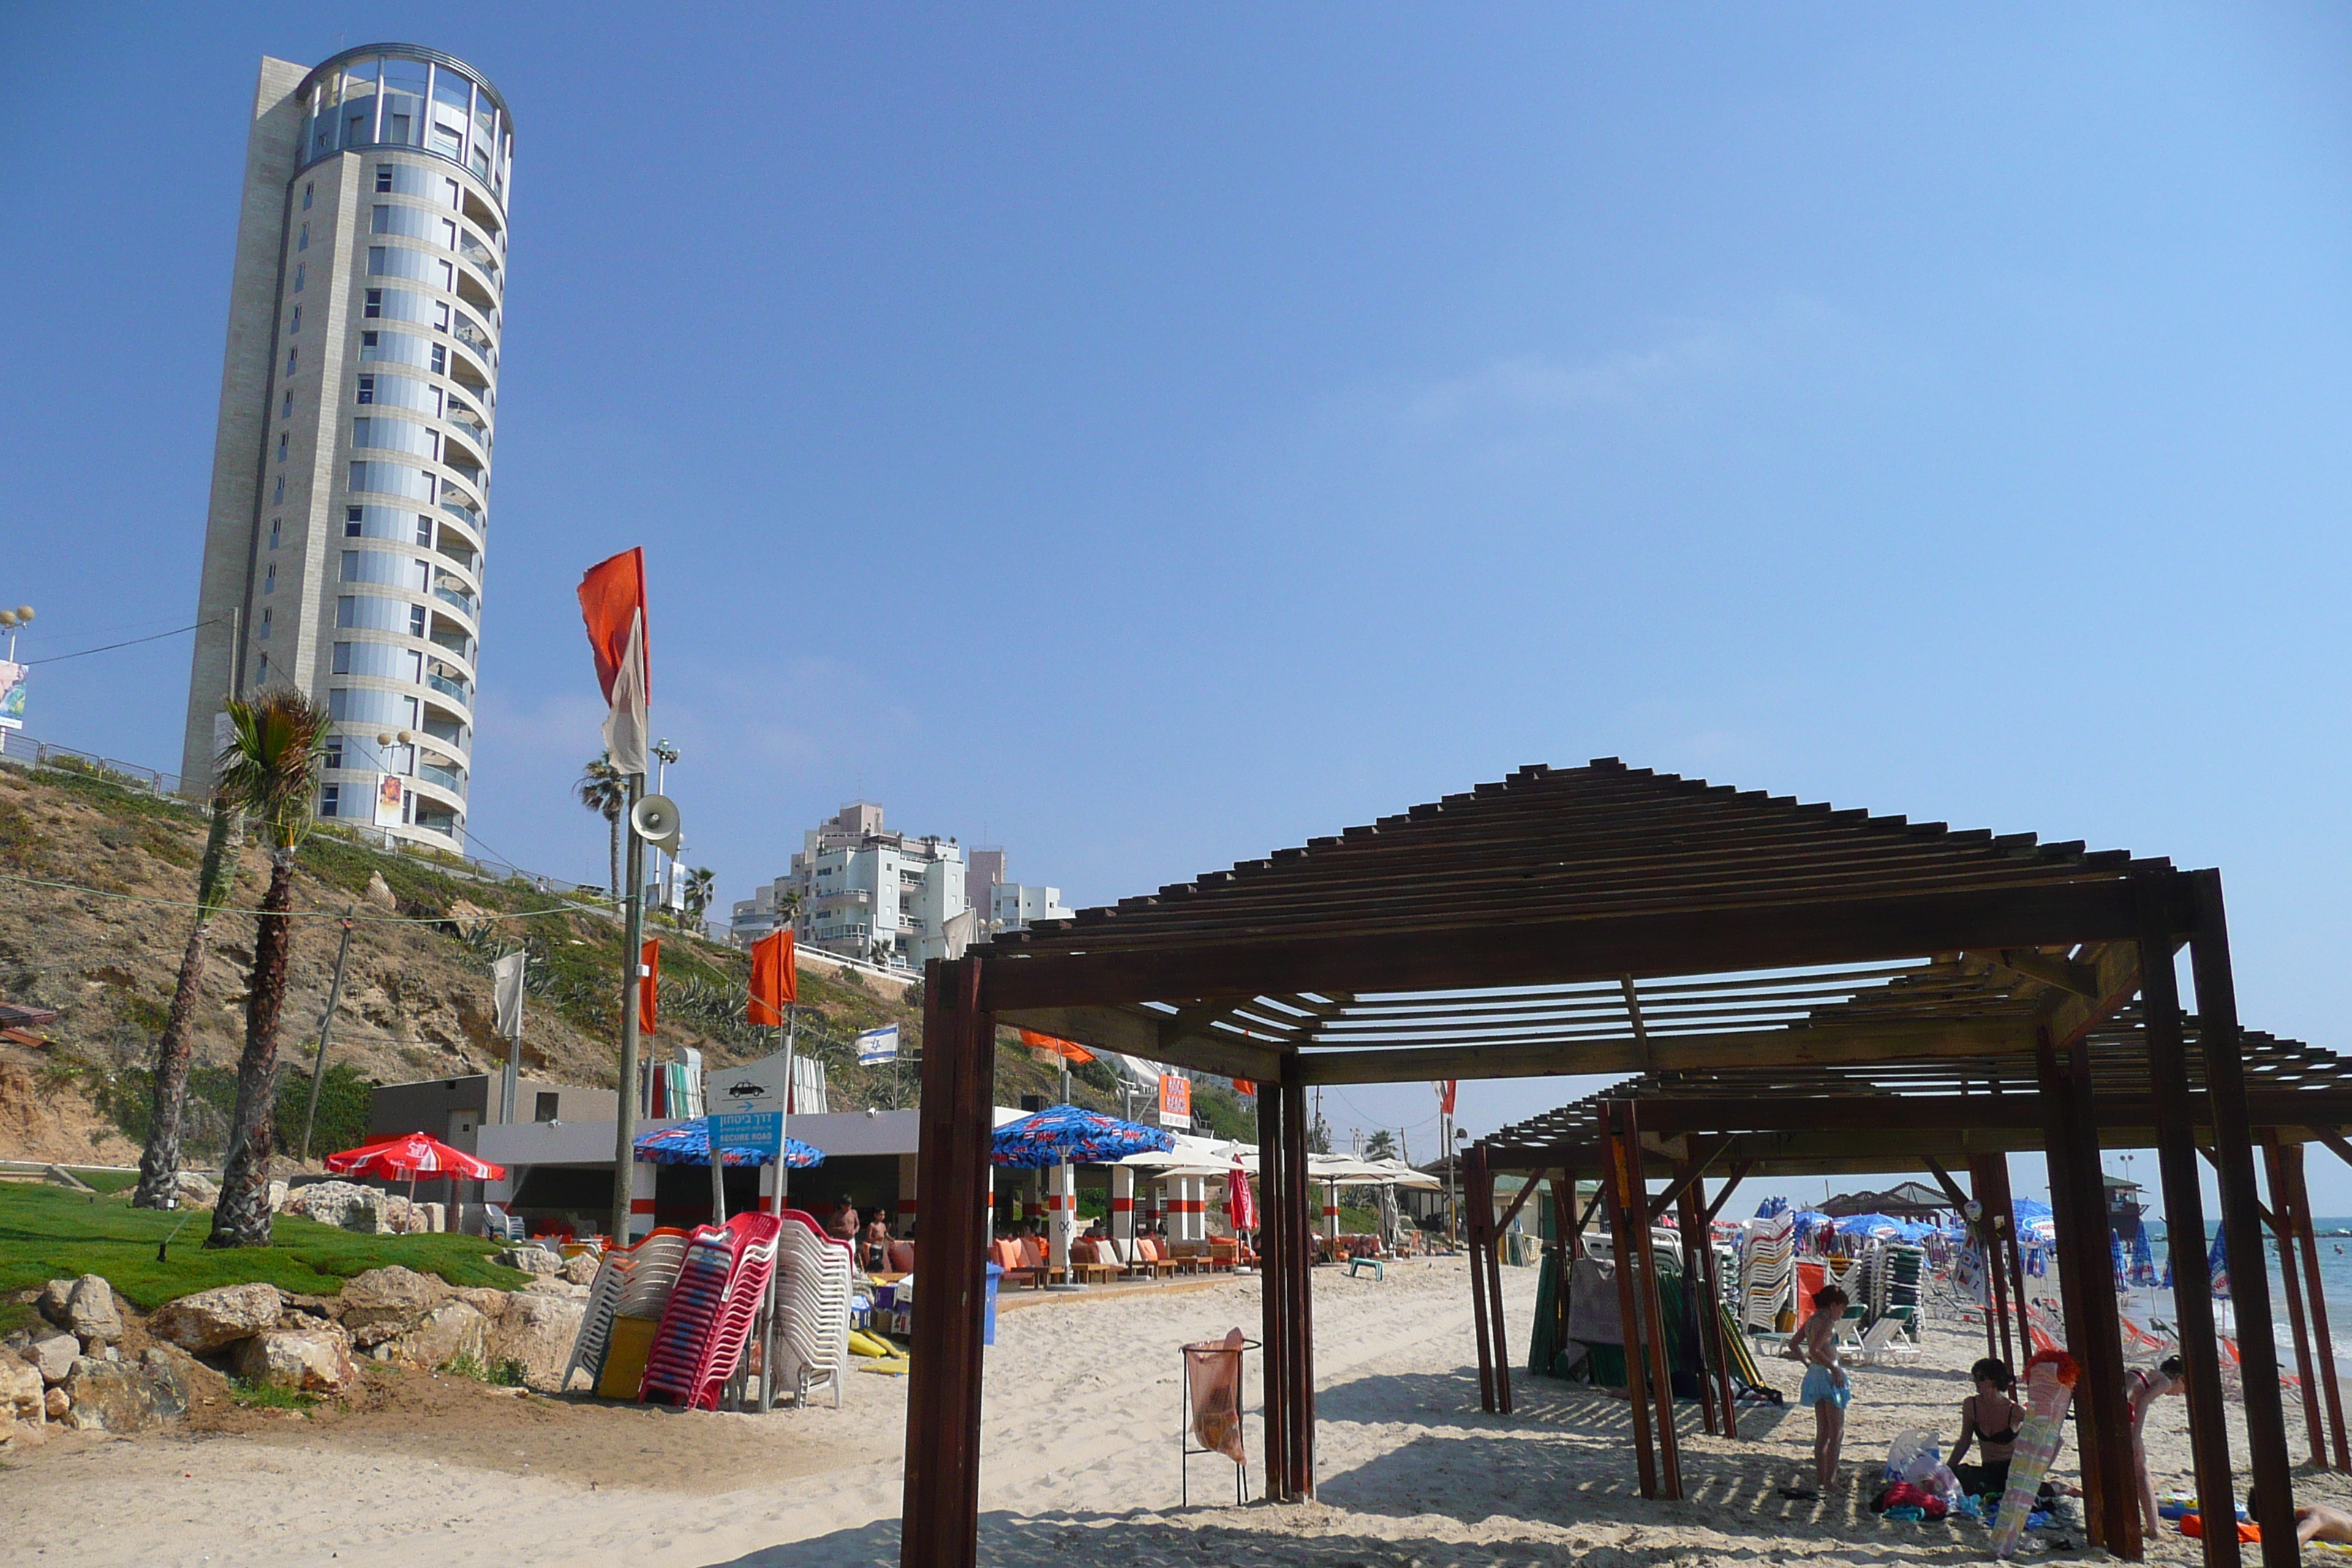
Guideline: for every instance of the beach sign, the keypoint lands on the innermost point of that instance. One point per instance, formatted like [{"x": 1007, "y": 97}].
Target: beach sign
[
  {"x": 748, "y": 1130},
  {"x": 1175, "y": 1100},
  {"x": 876, "y": 1047}
]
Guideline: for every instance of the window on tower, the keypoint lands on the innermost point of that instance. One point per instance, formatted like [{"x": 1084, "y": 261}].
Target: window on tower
[
  {"x": 286, "y": 405},
  {"x": 384, "y": 177},
  {"x": 279, "y": 493},
  {"x": 303, "y": 241},
  {"x": 290, "y": 360},
  {"x": 281, "y": 446},
  {"x": 367, "y": 385},
  {"x": 330, "y": 796},
  {"x": 306, "y": 203},
  {"x": 374, "y": 306},
  {"x": 297, "y": 324},
  {"x": 273, "y": 533},
  {"x": 264, "y": 631},
  {"x": 354, "y": 521},
  {"x": 301, "y": 269},
  {"x": 269, "y": 580}
]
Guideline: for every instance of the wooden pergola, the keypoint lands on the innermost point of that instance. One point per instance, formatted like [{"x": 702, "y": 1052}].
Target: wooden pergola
[
  {"x": 1589, "y": 920},
  {"x": 1939, "y": 1117}
]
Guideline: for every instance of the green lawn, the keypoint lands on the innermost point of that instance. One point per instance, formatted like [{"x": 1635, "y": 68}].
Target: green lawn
[{"x": 47, "y": 1232}]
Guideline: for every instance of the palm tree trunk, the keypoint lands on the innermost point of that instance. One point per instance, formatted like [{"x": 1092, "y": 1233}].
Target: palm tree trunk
[
  {"x": 241, "y": 1218},
  {"x": 159, "y": 1165},
  {"x": 614, "y": 824}
]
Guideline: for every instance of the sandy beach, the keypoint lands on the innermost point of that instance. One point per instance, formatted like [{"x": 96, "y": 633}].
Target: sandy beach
[{"x": 1080, "y": 1437}]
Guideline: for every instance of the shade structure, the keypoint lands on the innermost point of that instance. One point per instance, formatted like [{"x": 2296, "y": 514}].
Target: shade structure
[
  {"x": 688, "y": 1143},
  {"x": 1067, "y": 1135},
  {"x": 411, "y": 1155}
]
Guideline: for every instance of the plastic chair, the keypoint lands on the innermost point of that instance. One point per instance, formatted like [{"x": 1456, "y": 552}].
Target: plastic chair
[{"x": 813, "y": 1329}]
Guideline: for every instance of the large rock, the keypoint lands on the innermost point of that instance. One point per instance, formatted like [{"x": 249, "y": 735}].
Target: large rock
[
  {"x": 211, "y": 1319},
  {"x": 125, "y": 1396},
  {"x": 554, "y": 1286},
  {"x": 581, "y": 1268},
  {"x": 21, "y": 1389},
  {"x": 344, "y": 1205},
  {"x": 57, "y": 1403},
  {"x": 532, "y": 1259},
  {"x": 537, "y": 1331},
  {"x": 451, "y": 1329},
  {"x": 314, "y": 1359},
  {"x": 489, "y": 1302},
  {"x": 83, "y": 1306},
  {"x": 54, "y": 1354},
  {"x": 191, "y": 1191},
  {"x": 384, "y": 1303}
]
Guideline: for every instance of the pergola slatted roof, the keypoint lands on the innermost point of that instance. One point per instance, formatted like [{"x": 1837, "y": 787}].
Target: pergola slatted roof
[{"x": 1565, "y": 853}]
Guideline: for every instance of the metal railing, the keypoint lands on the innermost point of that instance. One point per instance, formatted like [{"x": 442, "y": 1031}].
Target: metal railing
[
  {"x": 448, "y": 688},
  {"x": 18, "y": 747},
  {"x": 450, "y": 779},
  {"x": 459, "y": 597}
]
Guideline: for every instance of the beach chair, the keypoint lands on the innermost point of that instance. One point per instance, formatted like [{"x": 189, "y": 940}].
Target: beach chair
[
  {"x": 1883, "y": 1341},
  {"x": 654, "y": 1264},
  {"x": 812, "y": 1329},
  {"x": 595, "y": 1336},
  {"x": 691, "y": 1317},
  {"x": 1086, "y": 1260},
  {"x": 500, "y": 1225},
  {"x": 1034, "y": 1258},
  {"x": 1016, "y": 1272},
  {"x": 1148, "y": 1255}
]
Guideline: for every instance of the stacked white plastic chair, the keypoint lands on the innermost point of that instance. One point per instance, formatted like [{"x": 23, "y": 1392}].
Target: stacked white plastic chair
[
  {"x": 812, "y": 1332},
  {"x": 596, "y": 1336},
  {"x": 631, "y": 1283},
  {"x": 1768, "y": 1272}
]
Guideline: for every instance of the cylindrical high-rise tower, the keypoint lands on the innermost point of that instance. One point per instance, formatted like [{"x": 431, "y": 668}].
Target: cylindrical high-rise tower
[{"x": 351, "y": 473}]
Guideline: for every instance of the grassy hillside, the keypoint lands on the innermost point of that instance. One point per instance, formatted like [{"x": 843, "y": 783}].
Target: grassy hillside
[{"x": 417, "y": 998}]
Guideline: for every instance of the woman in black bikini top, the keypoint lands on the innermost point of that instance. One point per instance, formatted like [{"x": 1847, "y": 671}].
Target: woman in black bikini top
[{"x": 1993, "y": 1382}]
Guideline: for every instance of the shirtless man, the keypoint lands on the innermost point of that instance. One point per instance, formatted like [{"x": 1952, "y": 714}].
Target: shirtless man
[
  {"x": 1825, "y": 1387},
  {"x": 2313, "y": 1523}
]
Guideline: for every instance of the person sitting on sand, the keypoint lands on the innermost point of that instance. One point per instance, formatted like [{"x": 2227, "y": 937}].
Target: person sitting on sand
[
  {"x": 1989, "y": 1419},
  {"x": 2313, "y": 1521},
  {"x": 1825, "y": 1387},
  {"x": 2145, "y": 1389}
]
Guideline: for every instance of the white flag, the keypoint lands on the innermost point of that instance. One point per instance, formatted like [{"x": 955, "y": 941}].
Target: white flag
[
  {"x": 506, "y": 976},
  {"x": 627, "y": 726}
]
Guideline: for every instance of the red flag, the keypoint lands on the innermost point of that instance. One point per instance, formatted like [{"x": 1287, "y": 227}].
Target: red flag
[
  {"x": 648, "y": 981},
  {"x": 1067, "y": 1051},
  {"x": 1445, "y": 1094},
  {"x": 775, "y": 980},
  {"x": 613, "y": 604},
  {"x": 1240, "y": 1203},
  {"x": 1244, "y": 1085}
]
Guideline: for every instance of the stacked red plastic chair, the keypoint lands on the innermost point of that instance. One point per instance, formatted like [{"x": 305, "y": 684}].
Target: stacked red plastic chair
[{"x": 709, "y": 1315}]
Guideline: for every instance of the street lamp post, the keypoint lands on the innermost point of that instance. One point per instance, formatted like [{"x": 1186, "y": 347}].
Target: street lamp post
[
  {"x": 664, "y": 752},
  {"x": 10, "y": 620}
]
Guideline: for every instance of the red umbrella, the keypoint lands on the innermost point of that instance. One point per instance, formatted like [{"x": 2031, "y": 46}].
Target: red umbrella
[{"x": 415, "y": 1154}]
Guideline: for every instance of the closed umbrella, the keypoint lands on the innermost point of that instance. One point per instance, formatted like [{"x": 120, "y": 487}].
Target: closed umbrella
[{"x": 1241, "y": 1207}]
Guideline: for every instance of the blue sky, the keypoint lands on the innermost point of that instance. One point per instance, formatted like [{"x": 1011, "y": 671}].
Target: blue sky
[{"x": 1147, "y": 439}]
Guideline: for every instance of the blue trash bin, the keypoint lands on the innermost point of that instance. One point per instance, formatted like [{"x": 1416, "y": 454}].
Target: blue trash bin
[{"x": 988, "y": 1320}]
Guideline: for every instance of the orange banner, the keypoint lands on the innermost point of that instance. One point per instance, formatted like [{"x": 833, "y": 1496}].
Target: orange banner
[
  {"x": 775, "y": 978},
  {"x": 1069, "y": 1050}
]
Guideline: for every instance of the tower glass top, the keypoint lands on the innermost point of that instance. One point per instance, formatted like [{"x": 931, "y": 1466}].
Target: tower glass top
[{"x": 400, "y": 95}]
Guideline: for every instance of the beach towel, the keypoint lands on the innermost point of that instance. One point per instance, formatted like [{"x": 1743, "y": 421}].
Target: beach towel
[
  {"x": 1213, "y": 1374},
  {"x": 2050, "y": 1380}
]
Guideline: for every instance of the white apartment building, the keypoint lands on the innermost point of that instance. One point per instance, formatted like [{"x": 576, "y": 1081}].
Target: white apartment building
[
  {"x": 1013, "y": 905},
  {"x": 857, "y": 890},
  {"x": 349, "y": 513}
]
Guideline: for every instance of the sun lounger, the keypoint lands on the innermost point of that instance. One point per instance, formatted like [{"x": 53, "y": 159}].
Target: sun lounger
[
  {"x": 1884, "y": 1341},
  {"x": 1148, "y": 1256},
  {"x": 1089, "y": 1262},
  {"x": 1016, "y": 1272}
]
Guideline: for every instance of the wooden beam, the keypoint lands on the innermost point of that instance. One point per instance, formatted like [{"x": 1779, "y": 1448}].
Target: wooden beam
[
  {"x": 1687, "y": 1171},
  {"x": 1828, "y": 1047},
  {"x": 1597, "y": 947},
  {"x": 1730, "y": 1186},
  {"x": 2061, "y": 973}
]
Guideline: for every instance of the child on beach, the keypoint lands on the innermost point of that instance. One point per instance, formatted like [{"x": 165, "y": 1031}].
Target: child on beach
[
  {"x": 2145, "y": 1388},
  {"x": 1988, "y": 1420},
  {"x": 1825, "y": 1387}
]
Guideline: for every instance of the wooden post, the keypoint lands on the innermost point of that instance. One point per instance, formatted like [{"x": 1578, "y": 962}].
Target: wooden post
[
  {"x": 1478, "y": 1214},
  {"x": 1299, "y": 1238},
  {"x": 1273, "y": 1270},
  {"x": 1694, "y": 1234},
  {"x": 2284, "y": 1228},
  {"x": 2184, "y": 1217},
  {"x": 2106, "y": 1410},
  {"x": 2293, "y": 1156},
  {"x": 2058, "y": 1142},
  {"x": 1494, "y": 1266},
  {"x": 2233, "y": 1150},
  {"x": 942, "y": 1505},
  {"x": 1653, "y": 1323},
  {"x": 1621, "y": 1194},
  {"x": 1990, "y": 1236}
]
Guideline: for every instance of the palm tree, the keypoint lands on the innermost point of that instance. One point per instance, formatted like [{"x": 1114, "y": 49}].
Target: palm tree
[
  {"x": 701, "y": 886},
  {"x": 604, "y": 790},
  {"x": 159, "y": 1165},
  {"x": 270, "y": 769}
]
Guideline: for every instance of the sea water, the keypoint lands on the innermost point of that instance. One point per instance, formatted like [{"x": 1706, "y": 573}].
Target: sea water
[{"x": 2334, "y": 1243}]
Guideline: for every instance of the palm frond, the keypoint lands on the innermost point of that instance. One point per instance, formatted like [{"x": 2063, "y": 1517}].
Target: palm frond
[{"x": 269, "y": 765}]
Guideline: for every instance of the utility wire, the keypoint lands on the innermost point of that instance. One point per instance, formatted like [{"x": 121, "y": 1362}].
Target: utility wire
[
  {"x": 305, "y": 914},
  {"x": 110, "y": 647}
]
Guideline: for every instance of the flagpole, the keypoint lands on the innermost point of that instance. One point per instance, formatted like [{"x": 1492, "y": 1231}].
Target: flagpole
[
  {"x": 776, "y": 1278},
  {"x": 633, "y": 941}
]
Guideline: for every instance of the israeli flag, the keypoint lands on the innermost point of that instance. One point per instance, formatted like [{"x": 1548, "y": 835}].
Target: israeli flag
[{"x": 877, "y": 1045}]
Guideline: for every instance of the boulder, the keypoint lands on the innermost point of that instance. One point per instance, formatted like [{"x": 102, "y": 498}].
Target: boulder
[
  {"x": 18, "y": 1436},
  {"x": 310, "y": 1306},
  {"x": 386, "y": 1303},
  {"x": 124, "y": 1396},
  {"x": 54, "y": 1355},
  {"x": 57, "y": 1403},
  {"x": 379, "y": 893},
  {"x": 451, "y": 1329},
  {"x": 211, "y": 1319},
  {"x": 314, "y": 1359},
  {"x": 20, "y": 1391},
  {"x": 191, "y": 1191},
  {"x": 555, "y": 1286},
  {"x": 84, "y": 1306},
  {"x": 581, "y": 1269},
  {"x": 344, "y": 1205},
  {"x": 537, "y": 1331},
  {"x": 531, "y": 1259},
  {"x": 278, "y": 1193},
  {"x": 491, "y": 1303}
]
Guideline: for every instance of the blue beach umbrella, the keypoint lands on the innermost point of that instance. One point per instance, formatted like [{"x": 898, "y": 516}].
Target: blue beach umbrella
[
  {"x": 688, "y": 1143},
  {"x": 2217, "y": 1262},
  {"x": 1065, "y": 1135}
]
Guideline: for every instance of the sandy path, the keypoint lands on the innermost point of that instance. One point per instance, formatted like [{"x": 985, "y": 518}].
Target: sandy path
[{"x": 1080, "y": 1467}]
